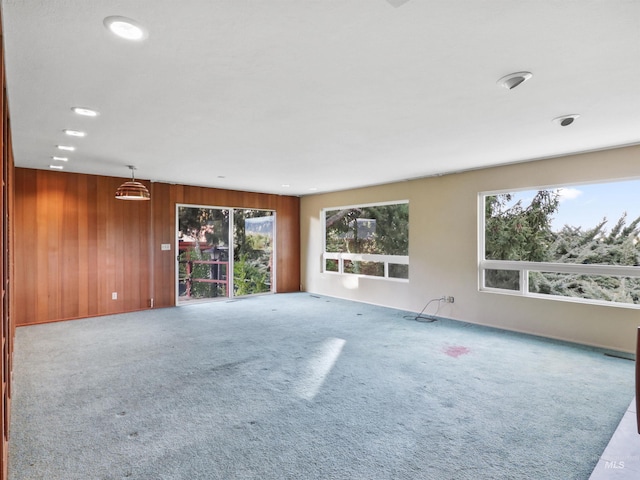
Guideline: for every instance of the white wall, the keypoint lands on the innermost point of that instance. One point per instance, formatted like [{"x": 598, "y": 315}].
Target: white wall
[{"x": 443, "y": 233}]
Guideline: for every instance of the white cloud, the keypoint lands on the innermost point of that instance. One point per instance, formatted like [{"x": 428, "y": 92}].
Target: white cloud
[{"x": 569, "y": 193}]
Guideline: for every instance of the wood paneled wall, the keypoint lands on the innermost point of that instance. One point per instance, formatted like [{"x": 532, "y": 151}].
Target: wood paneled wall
[
  {"x": 7, "y": 328},
  {"x": 76, "y": 244}
]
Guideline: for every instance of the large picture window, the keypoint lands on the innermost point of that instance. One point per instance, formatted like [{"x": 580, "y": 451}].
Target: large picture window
[
  {"x": 577, "y": 242},
  {"x": 370, "y": 240}
]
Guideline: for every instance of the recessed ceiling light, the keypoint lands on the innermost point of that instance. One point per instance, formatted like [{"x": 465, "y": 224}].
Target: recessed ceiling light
[
  {"x": 56, "y": 167},
  {"x": 74, "y": 133},
  {"x": 313, "y": 189},
  {"x": 397, "y": 3},
  {"x": 125, "y": 28},
  {"x": 512, "y": 80},
  {"x": 68, "y": 148},
  {"x": 86, "y": 112},
  {"x": 285, "y": 185},
  {"x": 566, "y": 120},
  {"x": 60, "y": 159}
]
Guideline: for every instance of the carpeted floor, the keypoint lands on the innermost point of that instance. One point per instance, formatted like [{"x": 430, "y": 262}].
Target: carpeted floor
[{"x": 297, "y": 386}]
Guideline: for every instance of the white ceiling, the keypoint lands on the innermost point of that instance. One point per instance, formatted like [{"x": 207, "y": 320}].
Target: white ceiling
[{"x": 320, "y": 95}]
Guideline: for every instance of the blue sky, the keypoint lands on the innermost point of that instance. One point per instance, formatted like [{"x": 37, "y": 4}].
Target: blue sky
[{"x": 586, "y": 205}]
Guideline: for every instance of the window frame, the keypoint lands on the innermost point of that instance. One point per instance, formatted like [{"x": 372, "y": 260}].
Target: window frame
[
  {"x": 341, "y": 257},
  {"x": 524, "y": 267}
]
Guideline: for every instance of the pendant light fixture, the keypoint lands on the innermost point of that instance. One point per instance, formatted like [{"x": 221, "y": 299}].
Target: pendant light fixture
[{"x": 132, "y": 190}]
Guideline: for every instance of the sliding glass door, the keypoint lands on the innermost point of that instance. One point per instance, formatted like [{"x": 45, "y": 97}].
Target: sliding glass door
[
  {"x": 252, "y": 251},
  {"x": 223, "y": 252},
  {"x": 203, "y": 259}
]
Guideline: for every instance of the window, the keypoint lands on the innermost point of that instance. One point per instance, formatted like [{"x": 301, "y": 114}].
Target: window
[
  {"x": 371, "y": 240},
  {"x": 577, "y": 242}
]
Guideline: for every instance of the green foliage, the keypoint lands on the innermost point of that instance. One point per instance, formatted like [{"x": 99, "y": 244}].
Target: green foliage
[
  {"x": 211, "y": 223},
  {"x": 331, "y": 265},
  {"x": 524, "y": 233},
  {"x": 595, "y": 287},
  {"x": 249, "y": 276},
  {"x": 596, "y": 246},
  {"x": 380, "y": 229},
  {"x": 504, "y": 279},
  {"x": 253, "y": 249},
  {"x": 398, "y": 270},
  {"x": 208, "y": 229},
  {"x": 373, "y": 269},
  {"x": 198, "y": 270},
  {"x": 517, "y": 232}
]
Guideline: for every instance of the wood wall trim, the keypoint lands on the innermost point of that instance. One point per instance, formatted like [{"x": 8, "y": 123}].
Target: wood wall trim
[
  {"x": 76, "y": 244},
  {"x": 7, "y": 323}
]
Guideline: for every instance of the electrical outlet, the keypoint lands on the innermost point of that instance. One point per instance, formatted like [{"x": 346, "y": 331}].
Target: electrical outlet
[
  {"x": 114, "y": 296},
  {"x": 449, "y": 299}
]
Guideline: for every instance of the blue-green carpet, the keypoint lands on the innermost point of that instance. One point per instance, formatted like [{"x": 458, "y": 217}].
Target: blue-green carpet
[{"x": 298, "y": 386}]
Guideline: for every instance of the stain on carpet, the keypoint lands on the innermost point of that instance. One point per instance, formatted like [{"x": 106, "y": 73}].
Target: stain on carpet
[{"x": 456, "y": 350}]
